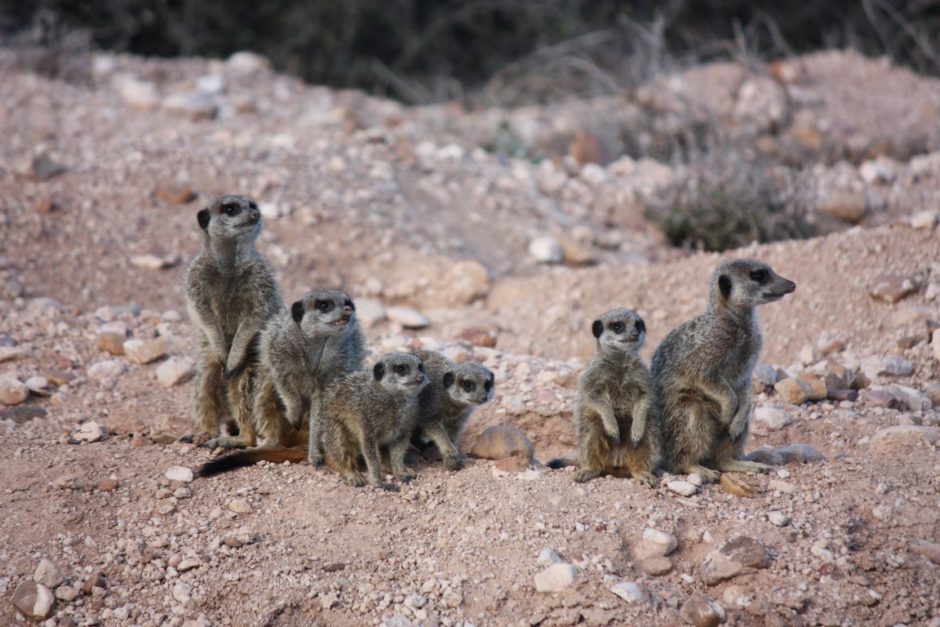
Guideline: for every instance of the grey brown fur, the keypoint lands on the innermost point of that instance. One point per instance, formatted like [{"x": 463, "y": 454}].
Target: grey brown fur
[
  {"x": 231, "y": 293},
  {"x": 452, "y": 393},
  {"x": 302, "y": 351},
  {"x": 371, "y": 410},
  {"x": 702, "y": 373},
  {"x": 614, "y": 397}
]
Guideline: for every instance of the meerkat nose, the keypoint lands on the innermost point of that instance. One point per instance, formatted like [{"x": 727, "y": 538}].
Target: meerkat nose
[
  {"x": 347, "y": 310},
  {"x": 255, "y": 214}
]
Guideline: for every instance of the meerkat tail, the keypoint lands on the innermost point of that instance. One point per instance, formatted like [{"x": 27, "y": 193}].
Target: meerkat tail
[{"x": 242, "y": 459}]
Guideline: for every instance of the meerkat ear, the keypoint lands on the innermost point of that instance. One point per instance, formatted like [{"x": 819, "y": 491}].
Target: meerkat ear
[
  {"x": 448, "y": 379},
  {"x": 378, "y": 371},
  {"x": 724, "y": 285},
  {"x": 597, "y": 328},
  {"x": 203, "y": 216},
  {"x": 297, "y": 311}
]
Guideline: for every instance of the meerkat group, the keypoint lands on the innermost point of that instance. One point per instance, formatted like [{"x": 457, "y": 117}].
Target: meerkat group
[
  {"x": 279, "y": 372},
  {"x": 296, "y": 378}
]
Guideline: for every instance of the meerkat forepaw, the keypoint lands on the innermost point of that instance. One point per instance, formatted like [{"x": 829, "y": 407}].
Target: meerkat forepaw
[
  {"x": 646, "y": 478},
  {"x": 315, "y": 459},
  {"x": 384, "y": 485},
  {"x": 586, "y": 474},
  {"x": 405, "y": 475},
  {"x": 453, "y": 462}
]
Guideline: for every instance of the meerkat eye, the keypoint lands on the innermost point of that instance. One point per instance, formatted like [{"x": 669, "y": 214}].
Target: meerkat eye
[
  {"x": 617, "y": 327},
  {"x": 640, "y": 326},
  {"x": 325, "y": 306},
  {"x": 468, "y": 385},
  {"x": 230, "y": 209},
  {"x": 401, "y": 370},
  {"x": 760, "y": 276}
]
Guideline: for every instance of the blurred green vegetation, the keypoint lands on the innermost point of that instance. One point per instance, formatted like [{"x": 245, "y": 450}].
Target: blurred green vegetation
[{"x": 427, "y": 50}]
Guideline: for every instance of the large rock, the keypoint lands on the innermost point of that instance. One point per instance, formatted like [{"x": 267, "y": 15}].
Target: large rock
[
  {"x": 500, "y": 441},
  {"x": 736, "y": 556},
  {"x": 33, "y": 600},
  {"x": 793, "y": 390},
  {"x": 702, "y": 611},
  {"x": 655, "y": 543},
  {"x": 903, "y": 439},
  {"x": 142, "y": 351},
  {"x": 48, "y": 574},
  {"x": 556, "y": 578},
  {"x": 12, "y": 391}
]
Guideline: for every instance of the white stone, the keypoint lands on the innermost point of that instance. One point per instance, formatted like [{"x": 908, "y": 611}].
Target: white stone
[
  {"x": 629, "y": 592},
  {"x": 179, "y": 473},
  {"x": 109, "y": 368},
  {"x": 194, "y": 105},
  {"x": 182, "y": 592},
  {"x": 593, "y": 173},
  {"x": 8, "y": 353},
  {"x": 174, "y": 370},
  {"x": 240, "y": 506},
  {"x": 211, "y": 83},
  {"x": 188, "y": 564},
  {"x": 47, "y": 573},
  {"x": 89, "y": 431},
  {"x": 37, "y": 383},
  {"x": 778, "y": 518},
  {"x": 682, "y": 487},
  {"x": 12, "y": 391},
  {"x": 143, "y": 352},
  {"x": 659, "y": 543},
  {"x": 924, "y": 219},
  {"x": 876, "y": 173},
  {"x": 548, "y": 556},
  {"x": 137, "y": 93},
  {"x": 546, "y": 250},
  {"x": 247, "y": 62},
  {"x": 556, "y": 578},
  {"x": 771, "y": 418},
  {"x": 408, "y": 317}
]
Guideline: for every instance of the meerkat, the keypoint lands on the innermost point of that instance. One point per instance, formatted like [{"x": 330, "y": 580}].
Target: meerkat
[
  {"x": 369, "y": 410},
  {"x": 230, "y": 293},
  {"x": 302, "y": 351},
  {"x": 446, "y": 402},
  {"x": 613, "y": 402},
  {"x": 702, "y": 373}
]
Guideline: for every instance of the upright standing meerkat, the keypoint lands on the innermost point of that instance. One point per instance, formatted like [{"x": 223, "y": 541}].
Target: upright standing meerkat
[
  {"x": 446, "y": 402},
  {"x": 613, "y": 401},
  {"x": 302, "y": 351},
  {"x": 702, "y": 373},
  {"x": 369, "y": 410},
  {"x": 231, "y": 293}
]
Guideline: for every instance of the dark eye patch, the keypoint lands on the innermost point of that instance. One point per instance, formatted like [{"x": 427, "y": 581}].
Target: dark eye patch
[
  {"x": 760, "y": 276},
  {"x": 640, "y": 326},
  {"x": 324, "y": 306},
  {"x": 231, "y": 209},
  {"x": 468, "y": 385},
  {"x": 401, "y": 370},
  {"x": 617, "y": 327}
]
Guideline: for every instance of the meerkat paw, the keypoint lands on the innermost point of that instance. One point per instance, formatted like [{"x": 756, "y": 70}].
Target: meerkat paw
[
  {"x": 647, "y": 478},
  {"x": 586, "y": 474},
  {"x": 735, "y": 486},
  {"x": 405, "y": 475},
  {"x": 453, "y": 462},
  {"x": 315, "y": 459},
  {"x": 707, "y": 474},
  {"x": 384, "y": 485},
  {"x": 741, "y": 465},
  {"x": 354, "y": 479}
]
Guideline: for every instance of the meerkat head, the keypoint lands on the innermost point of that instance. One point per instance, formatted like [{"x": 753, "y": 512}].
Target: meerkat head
[
  {"x": 469, "y": 384},
  {"x": 399, "y": 372},
  {"x": 620, "y": 330},
  {"x": 325, "y": 312},
  {"x": 745, "y": 283},
  {"x": 230, "y": 217}
]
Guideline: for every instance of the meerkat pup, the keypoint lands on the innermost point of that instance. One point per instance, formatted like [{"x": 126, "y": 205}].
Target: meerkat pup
[
  {"x": 702, "y": 373},
  {"x": 302, "y": 351},
  {"x": 230, "y": 293},
  {"x": 369, "y": 410},
  {"x": 446, "y": 402},
  {"x": 613, "y": 402}
]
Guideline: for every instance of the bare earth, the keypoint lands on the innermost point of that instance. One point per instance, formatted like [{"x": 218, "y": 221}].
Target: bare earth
[{"x": 386, "y": 201}]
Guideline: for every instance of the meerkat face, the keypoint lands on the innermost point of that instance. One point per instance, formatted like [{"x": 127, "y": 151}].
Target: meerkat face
[
  {"x": 400, "y": 372},
  {"x": 469, "y": 384},
  {"x": 744, "y": 282},
  {"x": 230, "y": 217},
  {"x": 620, "y": 329},
  {"x": 326, "y": 312}
]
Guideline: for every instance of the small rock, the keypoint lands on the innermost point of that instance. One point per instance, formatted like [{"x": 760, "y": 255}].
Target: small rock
[
  {"x": 902, "y": 439},
  {"x": 655, "y": 543},
  {"x": 876, "y": 172},
  {"x": 111, "y": 342},
  {"x": 783, "y": 487},
  {"x": 174, "y": 371},
  {"x": 240, "y": 506},
  {"x": 407, "y": 317},
  {"x": 48, "y": 574},
  {"x": 246, "y": 62},
  {"x": 556, "y": 578},
  {"x": 182, "y": 592},
  {"x": 656, "y": 566},
  {"x": 67, "y": 593},
  {"x": 800, "y": 453},
  {"x": 466, "y": 282},
  {"x": 193, "y": 105},
  {"x": 682, "y": 487},
  {"x": 22, "y": 414},
  {"x": 143, "y": 352},
  {"x": 175, "y": 193},
  {"x": 930, "y": 550},
  {"x": 95, "y": 579},
  {"x": 792, "y": 390},
  {"x": 42, "y": 168},
  {"x": 932, "y": 390},
  {"x": 37, "y": 383},
  {"x": 137, "y": 93},
  {"x": 516, "y": 463},
  {"x": 546, "y": 249},
  {"x": 33, "y": 600},
  {"x": 924, "y": 219},
  {"x": 12, "y": 391},
  {"x": 107, "y": 485},
  {"x": 845, "y": 206},
  {"x": 890, "y": 288},
  {"x": 548, "y": 556},
  {"x": 874, "y": 367},
  {"x": 738, "y": 555},
  {"x": 8, "y": 353},
  {"x": 770, "y": 418},
  {"x": 179, "y": 473},
  {"x": 501, "y": 441},
  {"x": 188, "y": 564},
  {"x": 629, "y": 592},
  {"x": 815, "y": 386},
  {"x": 702, "y": 611},
  {"x": 89, "y": 431},
  {"x": 766, "y": 375},
  {"x": 778, "y": 519},
  {"x": 110, "y": 368},
  {"x": 479, "y": 336}
]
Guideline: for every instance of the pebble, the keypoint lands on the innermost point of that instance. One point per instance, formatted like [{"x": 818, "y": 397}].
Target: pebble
[
  {"x": 849, "y": 207},
  {"x": 771, "y": 418},
  {"x": 408, "y": 317},
  {"x": 48, "y": 574},
  {"x": 548, "y": 556},
  {"x": 902, "y": 439},
  {"x": 9, "y": 353},
  {"x": 926, "y": 219},
  {"x": 12, "y": 391},
  {"x": 655, "y": 543},
  {"x": 174, "y": 371},
  {"x": 766, "y": 374},
  {"x": 792, "y": 390},
  {"x": 246, "y": 62},
  {"x": 142, "y": 351},
  {"x": 778, "y": 518},
  {"x": 702, "y": 611},
  {"x": 193, "y": 105},
  {"x": 799, "y": 453},
  {"x": 111, "y": 342},
  {"x": 546, "y": 250},
  {"x": 891, "y": 288},
  {"x": 876, "y": 172},
  {"x": 108, "y": 369},
  {"x": 656, "y": 566},
  {"x": 89, "y": 431},
  {"x": 501, "y": 441},
  {"x": 682, "y": 487},
  {"x": 188, "y": 564},
  {"x": 738, "y": 555},
  {"x": 67, "y": 593},
  {"x": 108, "y": 485},
  {"x": 182, "y": 592},
  {"x": 37, "y": 383},
  {"x": 33, "y": 600},
  {"x": 154, "y": 262},
  {"x": 174, "y": 193},
  {"x": 240, "y": 506},
  {"x": 137, "y": 93},
  {"x": 629, "y": 592},
  {"x": 179, "y": 473},
  {"x": 556, "y": 578}
]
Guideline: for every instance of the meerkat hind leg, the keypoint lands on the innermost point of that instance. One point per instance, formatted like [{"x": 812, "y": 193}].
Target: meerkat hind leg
[
  {"x": 373, "y": 458},
  {"x": 396, "y": 455},
  {"x": 211, "y": 404}
]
